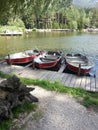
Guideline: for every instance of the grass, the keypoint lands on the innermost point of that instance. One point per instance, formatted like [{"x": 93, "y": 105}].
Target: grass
[
  {"x": 4, "y": 125},
  {"x": 27, "y": 107},
  {"x": 89, "y": 98}
]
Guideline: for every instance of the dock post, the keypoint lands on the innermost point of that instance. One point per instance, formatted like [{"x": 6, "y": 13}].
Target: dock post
[
  {"x": 10, "y": 63},
  {"x": 79, "y": 69},
  {"x": 9, "y": 59},
  {"x": 33, "y": 64}
]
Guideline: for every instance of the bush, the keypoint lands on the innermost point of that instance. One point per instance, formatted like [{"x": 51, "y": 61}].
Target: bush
[
  {"x": 55, "y": 25},
  {"x": 16, "y": 22}
]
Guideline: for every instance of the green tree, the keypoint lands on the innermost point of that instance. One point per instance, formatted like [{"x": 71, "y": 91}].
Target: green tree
[{"x": 72, "y": 16}]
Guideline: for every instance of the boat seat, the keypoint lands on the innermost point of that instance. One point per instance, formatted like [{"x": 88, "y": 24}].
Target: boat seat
[
  {"x": 69, "y": 54},
  {"x": 51, "y": 57},
  {"x": 46, "y": 59},
  {"x": 54, "y": 53},
  {"x": 77, "y": 54},
  {"x": 30, "y": 54},
  {"x": 36, "y": 51}
]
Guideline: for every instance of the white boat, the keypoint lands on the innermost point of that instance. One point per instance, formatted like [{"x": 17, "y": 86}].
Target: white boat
[{"x": 78, "y": 63}]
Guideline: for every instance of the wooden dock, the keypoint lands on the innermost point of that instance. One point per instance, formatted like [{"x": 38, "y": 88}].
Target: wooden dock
[
  {"x": 71, "y": 80},
  {"x": 11, "y": 34}
]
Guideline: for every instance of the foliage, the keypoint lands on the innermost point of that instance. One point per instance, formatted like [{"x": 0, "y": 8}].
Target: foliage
[
  {"x": 55, "y": 25},
  {"x": 17, "y": 22},
  {"x": 47, "y": 14}
]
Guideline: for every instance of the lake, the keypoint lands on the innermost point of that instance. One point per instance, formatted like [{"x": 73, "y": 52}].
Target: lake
[{"x": 85, "y": 43}]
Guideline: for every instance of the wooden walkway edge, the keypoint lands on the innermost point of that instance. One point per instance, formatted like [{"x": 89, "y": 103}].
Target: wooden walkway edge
[{"x": 70, "y": 80}]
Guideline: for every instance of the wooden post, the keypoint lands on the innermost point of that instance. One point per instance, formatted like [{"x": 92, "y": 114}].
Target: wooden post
[
  {"x": 79, "y": 69},
  {"x": 96, "y": 80},
  {"x": 9, "y": 59},
  {"x": 33, "y": 64}
]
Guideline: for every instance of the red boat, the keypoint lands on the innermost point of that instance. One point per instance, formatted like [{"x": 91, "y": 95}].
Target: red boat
[
  {"x": 48, "y": 60},
  {"x": 78, "y": 63},
  {"x": 22, "y": 58}
]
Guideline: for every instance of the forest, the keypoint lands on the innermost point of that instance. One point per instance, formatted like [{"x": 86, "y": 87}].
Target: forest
[{"x": 46, "y": 14}]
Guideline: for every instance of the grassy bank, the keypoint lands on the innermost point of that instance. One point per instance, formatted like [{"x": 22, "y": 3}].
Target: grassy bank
[{"x": 88, "y": 98}]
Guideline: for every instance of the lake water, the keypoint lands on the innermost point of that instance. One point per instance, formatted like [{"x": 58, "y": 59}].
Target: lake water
[{"x": 85, "y": 43}]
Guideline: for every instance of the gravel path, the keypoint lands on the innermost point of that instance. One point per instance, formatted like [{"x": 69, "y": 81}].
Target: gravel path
[{"x": 61, "y": 112}]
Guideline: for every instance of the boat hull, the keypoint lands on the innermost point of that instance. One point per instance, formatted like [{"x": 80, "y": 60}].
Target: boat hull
[
  {"x": 52, "y": 65},
  {"x": 21, "y": 58},
  {"x": 20, "y": 61},
  {"x": 78, "y": 70}
]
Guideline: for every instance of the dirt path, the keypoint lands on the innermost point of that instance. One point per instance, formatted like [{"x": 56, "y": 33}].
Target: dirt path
[{"x": 60, "y": 112}]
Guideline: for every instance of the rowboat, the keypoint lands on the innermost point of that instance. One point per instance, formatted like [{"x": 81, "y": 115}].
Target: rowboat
[
  {"x": 22, "y": 58},
  {"x": 78, "y": 63},
  {"x": 48, "y": 60}
]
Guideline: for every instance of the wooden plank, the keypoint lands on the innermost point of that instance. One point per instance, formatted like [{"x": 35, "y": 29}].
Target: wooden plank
[
  {"x": 47, "y": 76},
  {"x": 92, "y": 81},
  {"x": 73, "y": 80},
  {"x": 67, "y": 82},
  {"x": 63, "y": 66},
  {"x": 38, "y": 73},
  {"x": 96, "y": 79},
  {"x": 2, "y": 61},
  {"x": 64, "y": 79},
  {"x": 87, "y": 86},
  {"x": 24, "y": 71},
  {"x": 83, "y": 82},
  {"x": 42, "y": 75},
  {"x": 27, "y": 74},
  {"x": 52, "y": 78},
  {"x": 59, "y": 77},
  {"x": 78, "y": 82}
]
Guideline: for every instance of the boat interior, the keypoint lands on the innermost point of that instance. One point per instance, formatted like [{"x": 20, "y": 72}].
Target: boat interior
[{"x": 49, "y": 58}]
